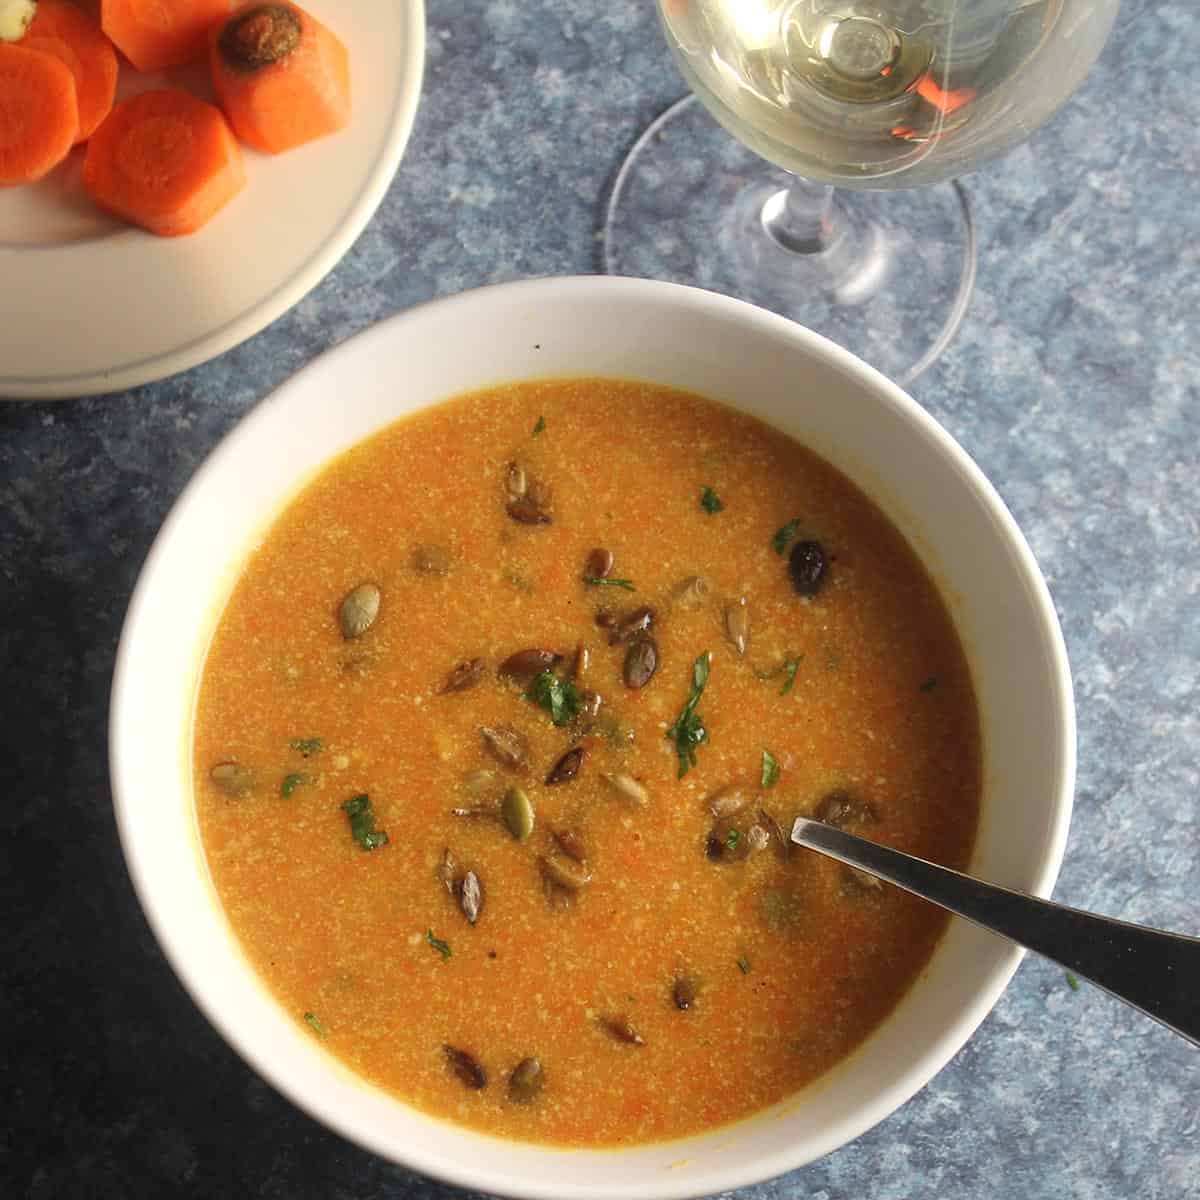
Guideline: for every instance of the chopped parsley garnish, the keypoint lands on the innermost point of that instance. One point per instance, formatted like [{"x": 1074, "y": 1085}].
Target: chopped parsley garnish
[
  {"x": 443, "y": 948},
  {"x": 710, "y": 501},
  {"x": 557, "y": 696},
  {"x": 314, "y": 1023},
  {"x": 1072, "y": 982},
  {"x": 790, "y": 667},
  {"x": 541, "y": 424},
  {"x": 307, "y": 746},
  {"x": 784, "y": 534},
  {"x": 744, "y": 965},
  {"x": 770, "y": 769},
  {"x": 732, "y": 838},
  {"x": 292, "y": 782},
  {"x": 596, "y": 581},
  {"x": 927, "y": 685},
  {"x": 688, "y": 732},
  {"x": 787, "y": 669},
  {"x": 362, "y": 822}
]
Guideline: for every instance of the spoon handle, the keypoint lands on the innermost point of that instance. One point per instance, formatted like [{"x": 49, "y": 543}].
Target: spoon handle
[{"x": 1155, "y": 971}]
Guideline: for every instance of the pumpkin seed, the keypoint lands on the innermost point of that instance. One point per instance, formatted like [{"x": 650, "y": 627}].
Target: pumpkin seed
[
  {"x": 465, "y": 1067},
  {"x": 567, "y": 767},
  {"x": 526, "y": 1080},
  {"x": 632, "y": 625},
  {"x": 568, "y": 875},
  {"x": 627, "y": 788},
  {"x": 599, "y": 564},
  {"x": 508, "y": 747},
  {"x": 515, "y": 481},
  {"x": 737, "y": 624},
  {"x": 580, "y": 662},
  {"x": 841, "y": 808},
  {"x": 526, "y": 511},
  {"x": 683, "y": 992},
  {"x": 517, "y": 812},
  {"x": 690, "y": 592},
  {"x": 232, "y": 778},
  {"x": 446, "y": 871},
  {"x": 470, "y": 896},
  {"x": 783, "y": 844},
  {"x": 526, "y": 664},
  {"x": 431, "y": 560},
  {"x": 726, "y": 843},
  {"x": 726, "y": 801},
  {"x": 757, "y": 838},
  {"x": 808, "y": 566},
  {"x": 465, "y": 675},
  {"x": 570, "y": 843},
  {"x": 557, "y": 897},
  {"x": 620, "y": 1028},
  {"x": 358, "y": 610},
  {"x": 641, "y": 661}
]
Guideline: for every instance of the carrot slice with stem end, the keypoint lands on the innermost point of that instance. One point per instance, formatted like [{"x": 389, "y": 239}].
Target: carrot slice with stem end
[
  {"x": 164, "y": 160},
  {"x": 39, "y": 114},
  {"x": 66, "y": 31},
  {"x": 154, "y": 34},
  {"x": 282, "y": 78}
]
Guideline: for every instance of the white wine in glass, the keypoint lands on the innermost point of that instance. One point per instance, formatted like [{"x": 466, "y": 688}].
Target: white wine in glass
[{"x": 869, "y": 95}]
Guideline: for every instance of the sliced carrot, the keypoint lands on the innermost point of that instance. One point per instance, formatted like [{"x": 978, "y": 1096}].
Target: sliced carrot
[
  {"x": 154, "y": 34},
  {"x": 282, "y": 78},
  {"x": 66, "y": 31},
  {"x": 164, "y": 160},
  {"x": 39, "y": 115}
]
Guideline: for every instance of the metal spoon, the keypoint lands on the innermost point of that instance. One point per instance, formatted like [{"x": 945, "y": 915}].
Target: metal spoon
[{"x": 1155, "y": 971}]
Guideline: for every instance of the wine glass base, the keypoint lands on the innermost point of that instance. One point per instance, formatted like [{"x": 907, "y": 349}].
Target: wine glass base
[{"x": 890, "y": 281}]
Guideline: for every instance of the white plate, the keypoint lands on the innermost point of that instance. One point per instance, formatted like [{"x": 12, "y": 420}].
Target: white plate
[{"x": 88, "y": 305}]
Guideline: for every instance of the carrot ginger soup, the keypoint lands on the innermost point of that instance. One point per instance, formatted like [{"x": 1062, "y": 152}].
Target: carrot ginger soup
[{"x": 501, "y": 733}]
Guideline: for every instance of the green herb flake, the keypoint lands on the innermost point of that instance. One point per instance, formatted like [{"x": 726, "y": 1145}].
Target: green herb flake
[
  {"x": 732, "y": 838},
  {"x": 770, "y": 769},
  {"x": 541, "y": 424},
  {"x": 596, "y": 581},
  {"x": 927, "y": 685},
  {"x": 784, "y": 535},
  {"x": 292, "y": 781},
  {"x": 688, "y": 732},
  {"x": 314, "y": 1023},
  {"x": 557, "y": 696},
  {"x": 1072, "y": 982},
  {"x": 710, "y": 501},
  {"x": 743, "y": 965},
  {"x": 307, "y": 746},
  {"x": 362, "y": 822},
  {"x": 790, "y": 667},
  {"x": 443, "y": 948}
]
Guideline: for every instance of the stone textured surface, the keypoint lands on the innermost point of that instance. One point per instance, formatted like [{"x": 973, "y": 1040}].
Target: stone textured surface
[{"x": 1075, "y": 382}]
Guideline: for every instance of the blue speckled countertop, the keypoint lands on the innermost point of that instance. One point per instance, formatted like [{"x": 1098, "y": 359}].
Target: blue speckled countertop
[{"x": 1075, "y": 382}]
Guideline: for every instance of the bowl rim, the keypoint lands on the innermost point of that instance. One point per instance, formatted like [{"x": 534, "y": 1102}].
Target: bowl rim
[{"x": 554, "y": 290}]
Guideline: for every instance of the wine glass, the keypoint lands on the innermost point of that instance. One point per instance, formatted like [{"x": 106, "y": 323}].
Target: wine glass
[{"x": 876, "y": 96}]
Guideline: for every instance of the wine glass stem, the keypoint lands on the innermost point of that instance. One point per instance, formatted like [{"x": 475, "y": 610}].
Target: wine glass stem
[{"x": 799, "y": 217}]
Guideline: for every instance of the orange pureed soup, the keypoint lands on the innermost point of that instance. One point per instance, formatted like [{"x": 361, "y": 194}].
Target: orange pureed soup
[{"x": 501, "y": 733}]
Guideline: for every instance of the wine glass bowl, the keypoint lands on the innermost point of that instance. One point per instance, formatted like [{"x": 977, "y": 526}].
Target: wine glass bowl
[
  {"x": 869, "y": 95},
  {"x": 884, "y": 93}
]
